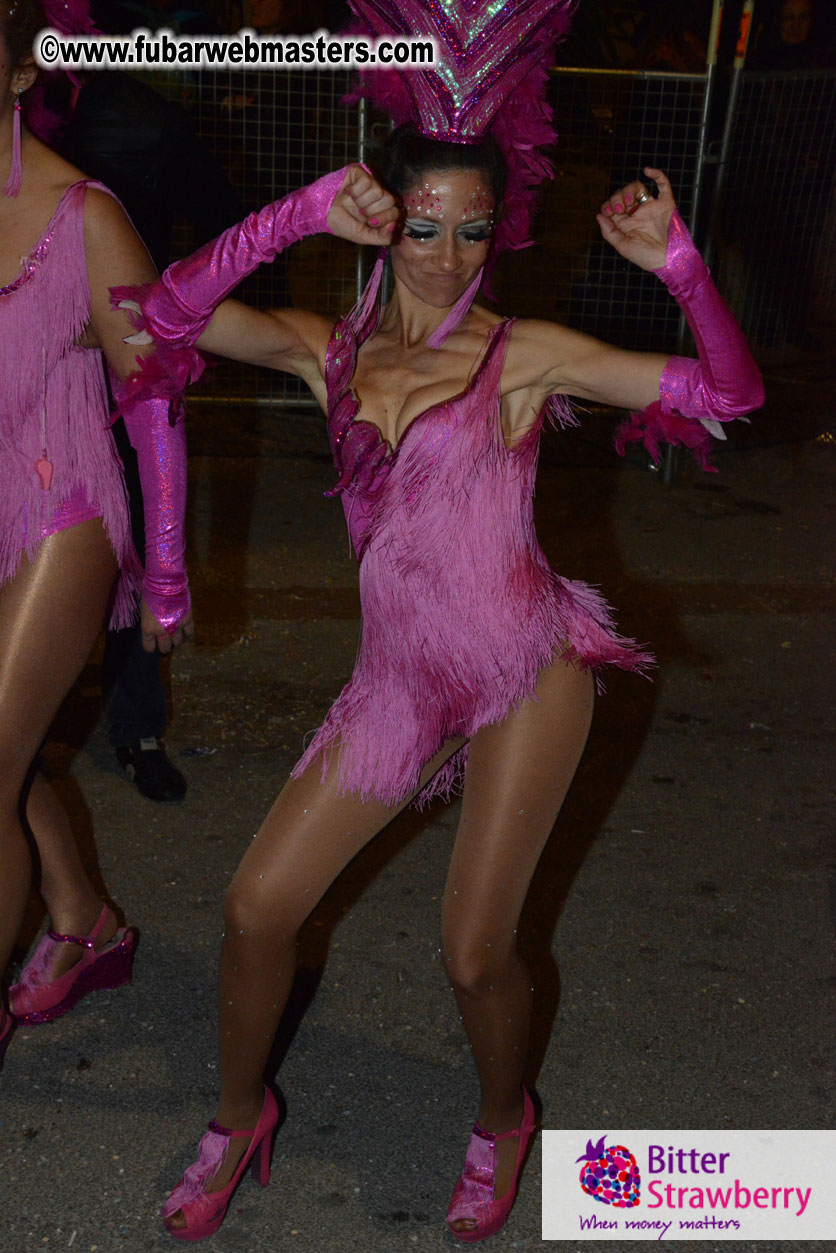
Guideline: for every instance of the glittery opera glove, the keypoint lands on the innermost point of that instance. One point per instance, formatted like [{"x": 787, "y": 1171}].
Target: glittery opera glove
[
  {"x": 695, "y": 396},
  {"x": 160, "y": 448},
  {"x": 178, "y": 307}
]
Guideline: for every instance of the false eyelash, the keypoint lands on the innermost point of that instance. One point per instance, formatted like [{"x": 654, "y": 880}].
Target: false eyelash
[
  {"x": 412, "y": 233},
  {"x": 476, "y": 237}
]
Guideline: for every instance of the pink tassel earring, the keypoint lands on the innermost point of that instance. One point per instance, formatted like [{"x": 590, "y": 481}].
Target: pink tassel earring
[
  {"x": 13, "y": 185},
  {"x": 457, "y": 314}
]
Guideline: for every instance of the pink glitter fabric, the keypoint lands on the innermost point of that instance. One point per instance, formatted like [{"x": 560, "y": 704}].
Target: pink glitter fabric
[
  {"x": 697, "y": 395},
  {"x": 54, "y": 407},
  {"x": 160, "y": 448},
  {"x": 74, "y": 509},
  {"x": 486, "y": 48},
  {"x": 177, "y": 308},
  {"x": 460, "y": 608},
  {"x": 725, "y": 383}
]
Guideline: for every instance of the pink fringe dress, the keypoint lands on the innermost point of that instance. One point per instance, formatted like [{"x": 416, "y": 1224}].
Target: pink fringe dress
[
  {"x": 54, "y": 408},
  {"x": 460, "y": 608}
]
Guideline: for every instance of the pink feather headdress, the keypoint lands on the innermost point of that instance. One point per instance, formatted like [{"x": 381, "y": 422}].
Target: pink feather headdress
[
  {"x": 70, "y": 17},
  {"x": 490, "y": 79}
]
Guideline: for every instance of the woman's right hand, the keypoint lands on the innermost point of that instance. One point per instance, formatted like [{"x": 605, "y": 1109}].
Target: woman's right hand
[
  {"x": 156, "y": 637},
  {"x": 363, "y": 212}
]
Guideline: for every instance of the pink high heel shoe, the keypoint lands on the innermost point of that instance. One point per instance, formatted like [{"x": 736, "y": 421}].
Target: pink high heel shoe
[
  {"x": 205, "y": 1211},
  {"x": 38, "y": 998},
  {"x": 473, "y": 1196}
]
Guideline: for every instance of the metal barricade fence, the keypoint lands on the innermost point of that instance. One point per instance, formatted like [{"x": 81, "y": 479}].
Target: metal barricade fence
[
  {"x": 274, "y": 132},
  {"x": 773, "y": 237},
  {"x": 611, "y": 123},
  {"x": 771, "y": 240}
]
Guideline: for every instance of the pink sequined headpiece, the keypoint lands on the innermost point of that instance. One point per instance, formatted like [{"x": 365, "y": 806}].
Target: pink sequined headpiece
[{"x": 490, "y": 79}]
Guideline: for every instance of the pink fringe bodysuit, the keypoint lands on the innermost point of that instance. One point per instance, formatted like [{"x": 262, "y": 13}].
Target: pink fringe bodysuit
[
  {"x": 54, "y": 407},
  {"x": 461, "y": 610}
]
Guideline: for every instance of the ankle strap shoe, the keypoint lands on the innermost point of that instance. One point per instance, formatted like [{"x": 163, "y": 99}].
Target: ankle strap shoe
[
  {"x": 202, "y": 1211},
  {"x": 473, "y": 1197},
  {"x": 38, "y": 998}
]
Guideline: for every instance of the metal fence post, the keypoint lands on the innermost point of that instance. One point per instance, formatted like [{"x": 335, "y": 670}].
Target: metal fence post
[
  {"x": 728, "y": 123},
  {"x": 670, "y": 458},
  {"x": 362, "y": 144}
]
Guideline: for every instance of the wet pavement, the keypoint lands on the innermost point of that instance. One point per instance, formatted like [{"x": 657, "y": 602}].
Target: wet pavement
[{"x": 680, "y": 928}]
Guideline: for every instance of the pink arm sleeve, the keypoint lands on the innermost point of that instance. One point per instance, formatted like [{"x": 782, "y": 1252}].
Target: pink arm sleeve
[
  {"x": 695, "y": 395},
  {"x": 173, "y": 312},
  {"x": 178, "y": 307},
  {"x": 725, "y": 382},
  {"x": 161, "y": 458}
]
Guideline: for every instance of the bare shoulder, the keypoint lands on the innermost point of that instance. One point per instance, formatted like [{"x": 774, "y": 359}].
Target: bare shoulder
[
  {"x": 104, "y": 217},
  {"x": 528, "y": 333},
  {"x": 115, "y": 253},
  {"x": 52, "y": 176},
  {"x": 541, "y": 355},
  {"x": 47, "y": 179}
]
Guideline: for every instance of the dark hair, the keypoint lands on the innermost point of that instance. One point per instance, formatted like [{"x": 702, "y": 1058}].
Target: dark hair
[
  {"x": 407, "y": 155},
  {"x": 20, "y": 21}
]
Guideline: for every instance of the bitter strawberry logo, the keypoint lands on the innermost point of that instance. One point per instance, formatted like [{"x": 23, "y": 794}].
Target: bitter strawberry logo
[{"x": 610, "y": 1174}]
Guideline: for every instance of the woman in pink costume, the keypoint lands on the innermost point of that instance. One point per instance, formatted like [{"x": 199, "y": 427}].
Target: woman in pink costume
[
  {"x": 477, "y": 660},
  {"x": 65, "y": 546}
]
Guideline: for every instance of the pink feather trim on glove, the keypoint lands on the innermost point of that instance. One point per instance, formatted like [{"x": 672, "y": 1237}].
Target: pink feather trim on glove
[
  {"x": 653, "y": 427},
  {"x": 695, "y": 395},
  {"x": 163, "y": 374}
]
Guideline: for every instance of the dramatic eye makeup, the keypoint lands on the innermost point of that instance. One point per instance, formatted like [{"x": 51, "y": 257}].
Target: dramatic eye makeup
[
  {"x": 419, "y": 229},
  {"x": 424, "y": 229},
  {"x": 476, "y": 232}
]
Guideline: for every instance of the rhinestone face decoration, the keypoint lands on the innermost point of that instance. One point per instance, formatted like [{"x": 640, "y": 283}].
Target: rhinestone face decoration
[
  {"x": 427, "y": 200},
  {"x": 490, "y": 77},
  {"x": 479, "y": 206}
]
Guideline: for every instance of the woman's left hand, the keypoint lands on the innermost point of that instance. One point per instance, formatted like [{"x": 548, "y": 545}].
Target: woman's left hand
[
  {"x": 156, "y": 636},
  {"x": 639, "y": 232}
]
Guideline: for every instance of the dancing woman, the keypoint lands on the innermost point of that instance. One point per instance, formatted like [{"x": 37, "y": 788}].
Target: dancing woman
[
  {"x": 477, "y": 660},
  {"x": 65, "y": 547}
]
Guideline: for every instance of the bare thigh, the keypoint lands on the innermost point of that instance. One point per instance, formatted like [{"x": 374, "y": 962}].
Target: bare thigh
[
  {"x": 309, "y": 836},
  {"x": 50, "y": 615},
  {"x": 518, "y": 773}
]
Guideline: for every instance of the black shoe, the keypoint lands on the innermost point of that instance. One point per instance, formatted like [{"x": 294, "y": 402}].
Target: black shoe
[{"x": 146, "y": 764}]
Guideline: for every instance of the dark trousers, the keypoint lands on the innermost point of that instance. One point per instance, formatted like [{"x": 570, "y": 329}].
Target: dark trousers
[{"x": 134, "y": 695}]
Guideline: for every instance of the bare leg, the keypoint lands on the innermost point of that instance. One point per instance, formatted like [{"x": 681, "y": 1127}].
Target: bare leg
[
  {"x": 50, "y": 614},
  {"x": 72, "y": 903},
  {"x": 309, "y": 836},
  {"x": 518, "y": 774},
  {"x": 312, "y": 833}
]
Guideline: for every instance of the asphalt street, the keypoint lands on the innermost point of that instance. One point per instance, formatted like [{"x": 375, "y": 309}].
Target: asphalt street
[{"x": 680, "y": 929}]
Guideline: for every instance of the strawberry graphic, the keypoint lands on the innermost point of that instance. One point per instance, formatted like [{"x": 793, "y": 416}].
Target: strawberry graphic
[{"x": 610, "y": 1174}]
